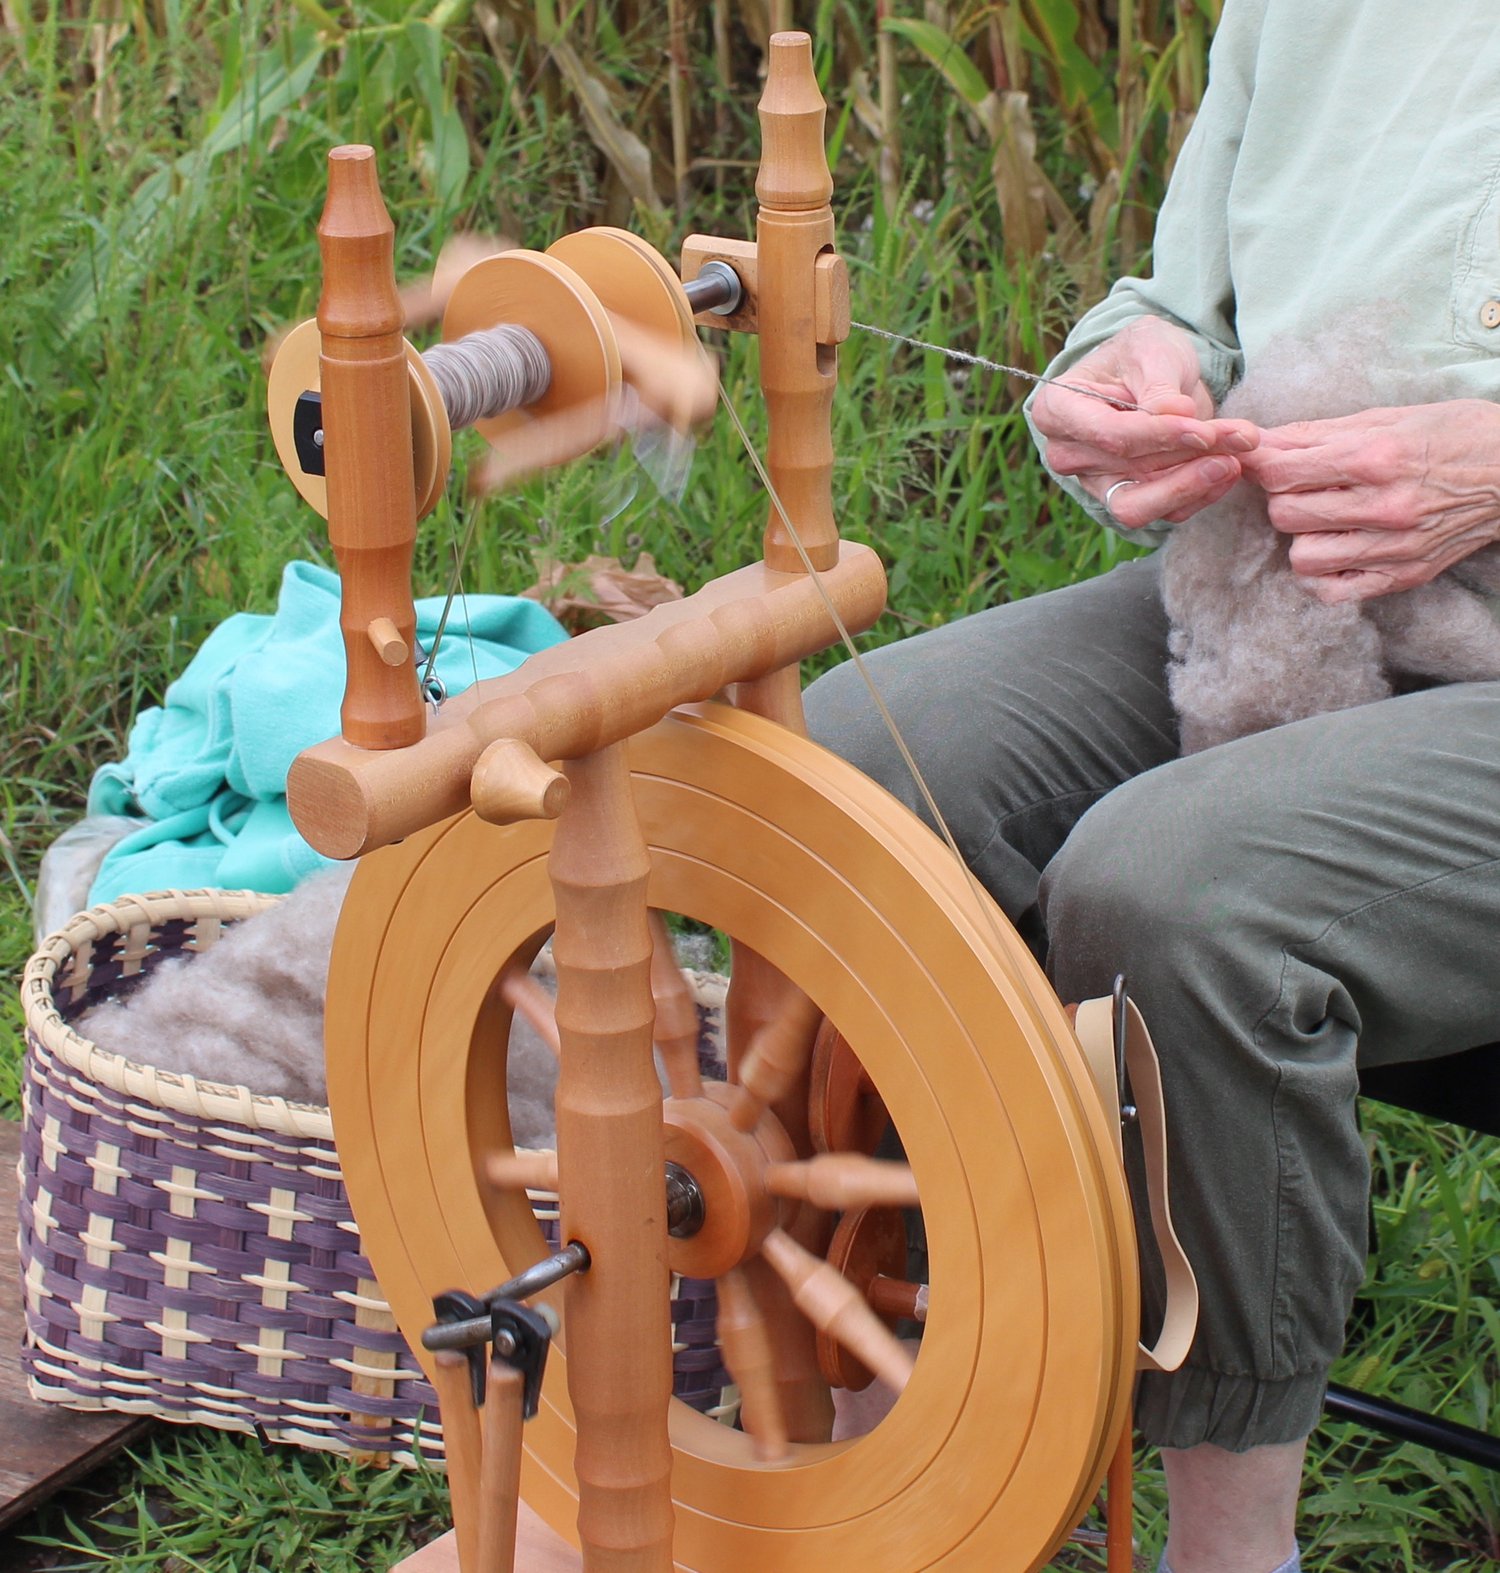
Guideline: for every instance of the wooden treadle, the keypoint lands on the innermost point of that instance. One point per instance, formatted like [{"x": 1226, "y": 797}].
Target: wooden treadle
[
  {"x": 42, "y": 1446},
  {"x": 539, "y": 1549}
]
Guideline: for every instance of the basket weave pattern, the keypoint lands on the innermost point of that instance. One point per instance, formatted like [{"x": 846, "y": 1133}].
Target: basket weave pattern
[{"x": 187, "y": 1249}]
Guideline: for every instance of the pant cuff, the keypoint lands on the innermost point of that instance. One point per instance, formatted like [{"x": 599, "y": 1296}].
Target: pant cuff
[{"x": 1184, "y": 1408}]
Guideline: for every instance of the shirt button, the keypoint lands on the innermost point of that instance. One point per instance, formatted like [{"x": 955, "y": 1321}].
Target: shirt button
[{"x": 1489, "y": 314}]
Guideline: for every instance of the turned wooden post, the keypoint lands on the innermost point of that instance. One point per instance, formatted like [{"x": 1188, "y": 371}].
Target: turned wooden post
[
  {"x": 611, "y": 1163},
  {"x": 367, "y": 454},
  {"x": 797, "y": 372}
]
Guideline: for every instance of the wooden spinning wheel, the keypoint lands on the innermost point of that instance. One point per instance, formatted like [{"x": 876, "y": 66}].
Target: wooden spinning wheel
[
  {"x": 842, "y": 908},
  {"x": 993, "y": 1451}
]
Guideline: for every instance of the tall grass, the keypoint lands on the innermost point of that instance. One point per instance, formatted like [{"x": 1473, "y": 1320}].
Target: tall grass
[{"x": 160, "y": 177}]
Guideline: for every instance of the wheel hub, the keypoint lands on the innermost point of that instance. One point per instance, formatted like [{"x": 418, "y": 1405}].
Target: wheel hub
[{"x": 728, "y": 1168}]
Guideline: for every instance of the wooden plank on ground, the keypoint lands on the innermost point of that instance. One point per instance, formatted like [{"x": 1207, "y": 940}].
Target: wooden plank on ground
[
  {"x": 539, "y": 1549},
  {"x": 42, "y": 1447}
]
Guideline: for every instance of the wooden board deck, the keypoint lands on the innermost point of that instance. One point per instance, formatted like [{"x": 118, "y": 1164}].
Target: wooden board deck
[
  {"x": 42, "y": 1447},
  {"x": 539, "y": 1549}
]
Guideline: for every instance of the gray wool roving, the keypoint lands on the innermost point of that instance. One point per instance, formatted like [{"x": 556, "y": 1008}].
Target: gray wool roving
[
  {"x": 248, "y": 1012},
  {"x": 1250, "y": 646}
]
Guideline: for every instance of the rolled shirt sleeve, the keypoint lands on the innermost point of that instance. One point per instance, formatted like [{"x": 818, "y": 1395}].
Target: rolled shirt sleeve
[{"x": 1191, "y": 284}]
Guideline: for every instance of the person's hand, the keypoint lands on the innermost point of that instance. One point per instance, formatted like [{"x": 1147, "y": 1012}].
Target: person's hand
[
  {"x": 1175, "y": 456},
  {"x": 1384, "y": 500}
]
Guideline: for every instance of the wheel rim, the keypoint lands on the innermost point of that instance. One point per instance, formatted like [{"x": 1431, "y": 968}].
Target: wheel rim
[{"x": 1020, "y": 1388}]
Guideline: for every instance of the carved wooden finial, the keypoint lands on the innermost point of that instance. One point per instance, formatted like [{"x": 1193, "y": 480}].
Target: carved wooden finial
[{"x": 793, "y": 168}]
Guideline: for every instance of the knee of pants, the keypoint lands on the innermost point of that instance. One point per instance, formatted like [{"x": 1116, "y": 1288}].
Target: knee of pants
[
  {"x": 842, "y": 716},
  {"x": 1134, "y": 890}
]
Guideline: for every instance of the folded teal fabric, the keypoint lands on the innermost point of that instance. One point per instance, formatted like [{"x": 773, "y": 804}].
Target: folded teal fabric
[{"x": 207, "y": 770}]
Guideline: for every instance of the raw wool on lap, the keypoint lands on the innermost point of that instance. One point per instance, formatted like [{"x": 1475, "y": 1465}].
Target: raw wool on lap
[{"x": 1250, "y": 646}]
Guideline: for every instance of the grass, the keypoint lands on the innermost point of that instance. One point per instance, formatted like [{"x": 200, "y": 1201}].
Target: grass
[{"x": 159, "y": 179}]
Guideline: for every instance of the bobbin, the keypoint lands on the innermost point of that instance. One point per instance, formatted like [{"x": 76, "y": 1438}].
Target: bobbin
[{"x": 606, "y": 309}]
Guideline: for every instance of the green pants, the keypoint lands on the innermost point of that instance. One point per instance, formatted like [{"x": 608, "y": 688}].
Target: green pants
[{"x": 1285, "y": 907}]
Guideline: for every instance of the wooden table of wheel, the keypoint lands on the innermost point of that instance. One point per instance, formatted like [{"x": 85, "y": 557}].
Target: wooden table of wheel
[{"x": 661, "y": 766}]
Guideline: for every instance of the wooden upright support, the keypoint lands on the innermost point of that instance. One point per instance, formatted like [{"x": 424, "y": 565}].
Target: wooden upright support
[
  {"x": 367, "y": 454},
  {"x": 611, "y": 1159},
  {"x": 798, "y": 374},
  {"x": 797, "y": 300}
]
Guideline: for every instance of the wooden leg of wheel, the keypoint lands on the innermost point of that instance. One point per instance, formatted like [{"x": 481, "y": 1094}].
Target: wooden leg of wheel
[
  {"x": 500, "y": 1470},
  {"x": 1120, "y": 1504},
  {"x": 464, "y": 1449}
]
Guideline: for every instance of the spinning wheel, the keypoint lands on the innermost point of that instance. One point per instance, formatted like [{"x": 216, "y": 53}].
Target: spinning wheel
[
  {"x": 842, "y": 909},
  {"x": 992, "y": 1452}
]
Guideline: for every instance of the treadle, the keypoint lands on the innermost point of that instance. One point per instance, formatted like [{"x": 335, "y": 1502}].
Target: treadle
[{"x": 539, "y": 1549}]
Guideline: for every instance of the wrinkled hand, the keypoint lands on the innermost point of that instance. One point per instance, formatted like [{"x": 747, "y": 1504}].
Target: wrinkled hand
[
  {"x": 1178, "y": 457},
  {"x": 1384, "y": 500}
]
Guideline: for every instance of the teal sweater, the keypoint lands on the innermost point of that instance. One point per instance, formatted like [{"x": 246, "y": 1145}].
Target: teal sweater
[{"x": 207, "y": 769}]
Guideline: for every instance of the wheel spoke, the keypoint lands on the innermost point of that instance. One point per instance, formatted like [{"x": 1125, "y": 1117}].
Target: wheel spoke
[
  {"x": 676, "y": 1015},
  {"x": 528, "y": 998},
  {"x": 840, "y": 1181},
  {"x": 777, "y": 1056},
  {"x": 745, "y": 1343},
  {"x": 834, "y": 1306},
  {"x": 522, "y": 1171}
]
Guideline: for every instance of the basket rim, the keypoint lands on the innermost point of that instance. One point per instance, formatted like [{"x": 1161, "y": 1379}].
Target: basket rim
[{"x": 177, "y": 1092}]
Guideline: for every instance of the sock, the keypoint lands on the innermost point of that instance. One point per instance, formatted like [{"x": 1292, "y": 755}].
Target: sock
[{"x": 1293, "y": 1563}]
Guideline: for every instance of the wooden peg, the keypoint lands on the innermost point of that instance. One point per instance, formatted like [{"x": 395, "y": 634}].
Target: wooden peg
[
  {"x": 897, "y": 1300},
  {"x": 389, "y": 645},
  {"x": 510, "y": 783},
  {"x": 761, "y": 997},
  {"x": 372, "y": 509}
]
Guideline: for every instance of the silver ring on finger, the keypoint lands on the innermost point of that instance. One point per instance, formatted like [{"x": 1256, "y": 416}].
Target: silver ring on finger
[{"x": 1109, "y": 497}]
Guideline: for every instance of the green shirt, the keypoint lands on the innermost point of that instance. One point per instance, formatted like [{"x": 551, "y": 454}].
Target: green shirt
[{"x": 1345, "y": 165}]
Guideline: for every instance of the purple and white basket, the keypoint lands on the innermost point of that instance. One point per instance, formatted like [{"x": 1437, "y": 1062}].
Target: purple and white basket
[{"x": 187, "y": 1249}]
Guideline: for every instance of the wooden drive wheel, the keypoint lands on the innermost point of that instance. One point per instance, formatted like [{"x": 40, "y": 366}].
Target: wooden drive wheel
[{"x": 1018, "y": 1395}]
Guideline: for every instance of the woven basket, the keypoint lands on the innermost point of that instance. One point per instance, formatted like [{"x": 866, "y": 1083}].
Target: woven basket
[{"x": 188, "y": 1249}]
